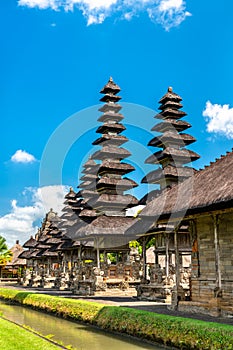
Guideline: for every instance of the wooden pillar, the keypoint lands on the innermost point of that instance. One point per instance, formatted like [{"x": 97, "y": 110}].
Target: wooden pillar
[
  {"x": 217, "y": 255},
  {"x": 71, "y": 260},
  {"x": 156, "y": 257},
  {"x": 195, "y": 254},
  {"x": 97, "y": 253},
  {"x": 64, "y": 262},
  {"x": 167, "y": 238},
  {"x": 175, "y": 298},
  {"x": 48, "y": 266},
  {"x": 79, "y": 251},
  {"x": 144, "y": 259}
]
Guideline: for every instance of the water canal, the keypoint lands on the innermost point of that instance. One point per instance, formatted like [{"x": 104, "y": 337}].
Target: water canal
[{"x": 80, "y": 336}]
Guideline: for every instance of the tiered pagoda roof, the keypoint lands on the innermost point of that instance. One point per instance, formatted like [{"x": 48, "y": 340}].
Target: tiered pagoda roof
[
  {"x": 77, "y": 211},
  {"x": 110, "y": 185},
  {"x": 46, "y": 240},
  {"x": 173, "y": 141}
]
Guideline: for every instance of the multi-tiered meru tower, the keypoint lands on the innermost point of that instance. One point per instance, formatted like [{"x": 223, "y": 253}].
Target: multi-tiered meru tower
[
  {"x": 111, "y": 184},
  {"x": 172, "y": 244},
  {"x": 173, "y": 141}
]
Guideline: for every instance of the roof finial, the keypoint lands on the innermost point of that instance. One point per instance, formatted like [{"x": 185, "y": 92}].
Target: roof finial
[
  {"x": 169, "y": 89},
  {"x": 111, "y": 80}
]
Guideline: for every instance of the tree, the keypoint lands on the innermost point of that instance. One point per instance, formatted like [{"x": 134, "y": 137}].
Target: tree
[{"x": 5, "y": 254}]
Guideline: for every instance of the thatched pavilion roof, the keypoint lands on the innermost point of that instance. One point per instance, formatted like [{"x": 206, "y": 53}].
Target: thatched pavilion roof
[
  {"x": 208, "y": 189},
  {"x": 105, "y": 226},
  {"x": 17, "y": 260}
]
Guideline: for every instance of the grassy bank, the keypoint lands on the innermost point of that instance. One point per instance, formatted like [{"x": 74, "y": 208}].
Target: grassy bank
[
  {"x": 16, "y": 338},
  {"x": 178, "y": 332}
]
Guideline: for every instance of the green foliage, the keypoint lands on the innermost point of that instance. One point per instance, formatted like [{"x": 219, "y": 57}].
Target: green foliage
[
  {"x": 136, "y": 244},
  {"x": 5, "y": 253},
  {"x": 112, "y": 257},
  {"x": 151, "y": 243},
  {"x": 178, "y": 332}
]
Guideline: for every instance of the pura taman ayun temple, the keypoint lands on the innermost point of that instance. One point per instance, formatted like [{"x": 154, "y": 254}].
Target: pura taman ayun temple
[{"x": 189, "y": 217}]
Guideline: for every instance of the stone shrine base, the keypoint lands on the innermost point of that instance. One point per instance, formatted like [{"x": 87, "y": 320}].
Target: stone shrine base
[
  {"x": 215, "y": 307},
  {"x": 154, "y": 292}
]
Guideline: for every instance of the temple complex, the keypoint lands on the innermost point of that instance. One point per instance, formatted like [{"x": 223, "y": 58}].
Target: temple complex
[{"x": 189, "y": 216}]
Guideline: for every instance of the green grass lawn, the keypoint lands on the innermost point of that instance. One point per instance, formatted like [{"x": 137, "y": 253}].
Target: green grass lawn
[{"x": 13, "y": 337}]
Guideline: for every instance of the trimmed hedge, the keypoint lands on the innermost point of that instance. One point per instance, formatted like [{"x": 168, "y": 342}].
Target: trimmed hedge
[{"x": 178, "y": 332}]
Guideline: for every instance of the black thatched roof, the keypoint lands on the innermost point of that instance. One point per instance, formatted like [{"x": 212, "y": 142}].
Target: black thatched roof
[
  {"x": 50, "y": 254},
  {"x": 110, "y": 97},
  {"x": 110, "y": 116},
  {"x": 89, "y": 163},
  {"x": 155, "y": 176},
  {"x": 171, "y": 124},
  {"x": 17, "y": 259},
  {"x": 170, "y": 96},
  {"x": 31, "y": 243},
  {"x": 116, "y": 140},
  {"x": 116, "y": 201},
  {"x": 171, "y": 104},
  {"x": 120, "y": 184},
  {"x": 71, "y": 194},
  {"x": 109, "y": 166},
  {"x": 170, "y": 113},
  {"x": 209, "y": 189},
  {"x": 107, "y": 107},
  {"x": 25, "y": 255},
  {"x": 111, "y": 152},
  {"x": 172, "y": 137},
  {"x": 113, "y": 127},
  {"x": 111, "y": 86},
  {"x": 149, "y": 197},
  {"x": 88, "y": 177},
  {"x": 104, "y": 226},
  {"x": 184, "y": 155}
]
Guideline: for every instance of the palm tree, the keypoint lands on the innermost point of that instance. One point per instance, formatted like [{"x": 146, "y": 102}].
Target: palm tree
[{"x": 5, "y": 254}]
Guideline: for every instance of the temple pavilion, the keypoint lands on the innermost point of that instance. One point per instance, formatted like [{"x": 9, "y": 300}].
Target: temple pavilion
[
  {"x": 104, "y": 201},
  {"x": 205, "y": 202},
  {"x": 171, "y": 169}
]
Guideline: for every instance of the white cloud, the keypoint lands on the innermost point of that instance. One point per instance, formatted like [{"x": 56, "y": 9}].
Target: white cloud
[
  {"x": 168, "y": 13},
  {"x": 41, "y": 4},
  {"x": 22, "y": 221},
  {"x": 50, "y": 197},
  {"x": 22, "y": 157},
  {"x": 219, "y": 119}
]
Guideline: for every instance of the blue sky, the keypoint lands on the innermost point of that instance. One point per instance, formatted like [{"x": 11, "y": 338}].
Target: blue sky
[{"x": 56, "y": 55}]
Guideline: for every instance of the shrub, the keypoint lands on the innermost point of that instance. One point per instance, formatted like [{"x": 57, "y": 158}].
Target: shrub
[{"x": 181, "y": 333}]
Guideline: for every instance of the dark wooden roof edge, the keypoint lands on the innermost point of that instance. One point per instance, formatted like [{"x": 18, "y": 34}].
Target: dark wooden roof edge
[{"x": 191, "y": 213}]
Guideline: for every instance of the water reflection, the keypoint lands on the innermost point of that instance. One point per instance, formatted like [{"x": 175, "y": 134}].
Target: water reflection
[{"x": 79, "y": 336}]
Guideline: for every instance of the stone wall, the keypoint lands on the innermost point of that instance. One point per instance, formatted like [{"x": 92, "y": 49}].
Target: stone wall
[{"x": 207, "y": 295}]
